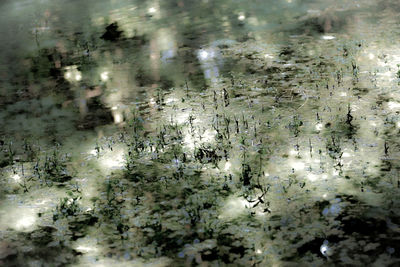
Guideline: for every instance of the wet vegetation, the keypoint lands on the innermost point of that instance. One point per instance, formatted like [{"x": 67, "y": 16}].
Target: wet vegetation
[{"x": 199, "y": 133}]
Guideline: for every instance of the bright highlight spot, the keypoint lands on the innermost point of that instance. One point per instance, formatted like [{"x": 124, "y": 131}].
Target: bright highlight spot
[
  {"x": 203, "y": 54},
  {"x": 346, "y": 155},
  {"x": 16, "y": 177},
  {"x": 328, "y": 37},
  {"x": 371, "y": 56},
  {"x": 70, "y": 201},
  {"x": 118, "y": 117},
  {"x": 228, "y": 166},
  {"x": 84, "y": 249},
  {"x": 104, "y": 76},
  {"x": 233, "y": 207},
  {"x": 393, "y": 105},
  {"x": 72, "y": 73},
  {"x": 152, "y": 10},
  {"x": 312, "y": 177},
  {"x": 241, "y": 17},
  {"x": 170, "y": 100},
  {"x": 191, "y": 141},
  {"x": 325, "y": 250},
  {"x": 182, "y": 117},
  {"x": 297, "y": 165},
  {"x": 26, "y": 221},
  {"x": 319, "y": 127},
  {"x": 93, "y": 152},
  {"x": 113, "y": 160}
]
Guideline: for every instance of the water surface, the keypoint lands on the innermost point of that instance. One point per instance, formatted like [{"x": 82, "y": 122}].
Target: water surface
[{"x": 211, "y": 133}]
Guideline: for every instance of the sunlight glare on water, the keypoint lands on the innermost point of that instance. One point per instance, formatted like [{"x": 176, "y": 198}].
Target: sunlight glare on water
[{"x": 207, "y": 133}]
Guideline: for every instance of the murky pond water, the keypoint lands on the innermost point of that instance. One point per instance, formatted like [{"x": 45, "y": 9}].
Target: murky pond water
[{"x": 210, "y": 132}]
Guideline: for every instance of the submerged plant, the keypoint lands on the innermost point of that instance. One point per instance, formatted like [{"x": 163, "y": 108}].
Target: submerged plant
[
  {"x": 11, "y": 154},
  {"x": 295, "y": 125},
  {"x": 68, "y": 206},
  {"x": 54, "y": 169}
]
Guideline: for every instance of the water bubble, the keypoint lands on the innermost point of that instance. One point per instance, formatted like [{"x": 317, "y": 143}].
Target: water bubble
[{"x": 325, "y": 249}]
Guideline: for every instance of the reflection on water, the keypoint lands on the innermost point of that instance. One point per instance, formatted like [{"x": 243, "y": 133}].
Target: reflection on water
[{"x": 205, "y": 132}]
